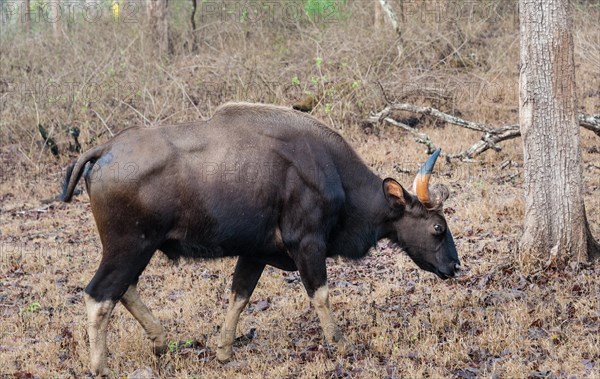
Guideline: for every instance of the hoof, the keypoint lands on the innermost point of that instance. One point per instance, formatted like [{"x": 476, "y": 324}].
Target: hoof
[
  {"x": 344, "y": 347},
  {"x": 345, "y": 350},
  {"x": 224, "y": 354},
  {"x": 101, "y": 373},
  {"x": 159, "y": 350}
]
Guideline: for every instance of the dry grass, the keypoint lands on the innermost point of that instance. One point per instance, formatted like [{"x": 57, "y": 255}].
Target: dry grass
[{"x": 493, "y": 322}]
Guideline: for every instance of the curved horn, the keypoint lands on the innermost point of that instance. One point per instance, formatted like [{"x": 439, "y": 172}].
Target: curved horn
[{"x": 421, "y": 183}]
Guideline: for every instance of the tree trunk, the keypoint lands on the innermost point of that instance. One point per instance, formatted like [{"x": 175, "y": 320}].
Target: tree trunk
[
  {"x": 393, "y": 20},
  {"x": 193, "y": 21},
  {"x": 391, "y": 15},
  {"x": 158, "y": 12},
  {"x": 556, "y": 229},
  {"x": 27, "y": 16},
  {"x": 55, "y": 15}
]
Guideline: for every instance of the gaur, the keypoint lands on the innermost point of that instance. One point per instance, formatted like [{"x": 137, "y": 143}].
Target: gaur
[{"x": 270, "y": 185}]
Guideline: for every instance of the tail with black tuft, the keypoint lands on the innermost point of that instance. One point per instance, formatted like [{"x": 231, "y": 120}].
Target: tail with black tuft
[
  {"x": 75, "y": 170},
  {"x": 63, "y": 195}
]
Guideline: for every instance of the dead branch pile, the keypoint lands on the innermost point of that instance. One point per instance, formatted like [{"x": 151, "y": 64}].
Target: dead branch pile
[{"x": 490, "y": 139}]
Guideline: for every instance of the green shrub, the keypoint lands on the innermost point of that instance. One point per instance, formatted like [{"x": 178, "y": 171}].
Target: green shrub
[{"x": 324, "y": 9}]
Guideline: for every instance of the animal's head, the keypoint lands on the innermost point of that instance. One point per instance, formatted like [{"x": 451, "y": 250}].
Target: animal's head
[{"x": 419, "y": 224}]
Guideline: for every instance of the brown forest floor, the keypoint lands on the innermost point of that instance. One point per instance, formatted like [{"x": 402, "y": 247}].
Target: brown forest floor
[{"x": 492, "y": 322}]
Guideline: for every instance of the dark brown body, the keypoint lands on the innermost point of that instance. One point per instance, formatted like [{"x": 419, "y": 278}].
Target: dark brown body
[{"x": 268, "y": 184}]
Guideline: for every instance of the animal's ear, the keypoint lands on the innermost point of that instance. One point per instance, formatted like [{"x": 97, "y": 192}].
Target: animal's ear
[{"x": 395, "y": 194}]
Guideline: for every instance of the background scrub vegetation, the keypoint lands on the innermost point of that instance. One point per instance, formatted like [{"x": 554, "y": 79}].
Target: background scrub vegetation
[{"x": 97, "y": 77}]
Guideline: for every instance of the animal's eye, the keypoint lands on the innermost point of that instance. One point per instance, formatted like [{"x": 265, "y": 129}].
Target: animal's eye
[{"x": 439, "y": 229}]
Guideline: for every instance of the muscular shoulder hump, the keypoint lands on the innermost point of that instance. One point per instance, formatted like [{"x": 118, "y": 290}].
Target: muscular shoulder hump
[
  {"x": 265, "y": 110},
  {"x": 291, "y": 117}
]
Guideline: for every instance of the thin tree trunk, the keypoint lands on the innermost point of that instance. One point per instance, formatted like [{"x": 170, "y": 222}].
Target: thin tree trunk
[
  {"x": 193, "y": 21},
  {"x": 556, "y": 230},
  {"x": 391, "y": 15},
  {"x": 55, "y": 17},
  {"x": 158, "y": 19},
  {"x": 393, "y": 20},
  {"x": 378, "y": 16},
  {"x": 27, "y": 16}
]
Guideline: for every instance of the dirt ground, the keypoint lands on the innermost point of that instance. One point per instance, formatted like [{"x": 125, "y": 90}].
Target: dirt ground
[{"x": 494, "y": 321}]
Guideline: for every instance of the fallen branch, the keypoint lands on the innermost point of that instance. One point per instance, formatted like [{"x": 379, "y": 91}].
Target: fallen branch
[
  {"x": 435, "y": 113},
  {"x": 421, "y": 137},
  {"x": 590, "y": 122},
  {"x": 491, "y": 136},
  {"x": 489, "y": 140}
]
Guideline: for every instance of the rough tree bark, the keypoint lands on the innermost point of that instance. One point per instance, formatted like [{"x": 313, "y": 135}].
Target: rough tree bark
[
  {"x": 556, "y": 229},
  {"x": 158, "y": 20}
]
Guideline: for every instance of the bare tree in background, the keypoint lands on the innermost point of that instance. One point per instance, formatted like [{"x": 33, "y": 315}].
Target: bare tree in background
[
  {"x": 389, "y": 12},
  {"x": 193, "y": 22},
  {"x": 54, "y": 16},
  {"x": 158, "y": 19},
  {"x": 378, "y": 20},
  {"x": 384, "y": 5},
  {"x": 27, "y": 16},
  {"x": 556, "y": 229}
]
